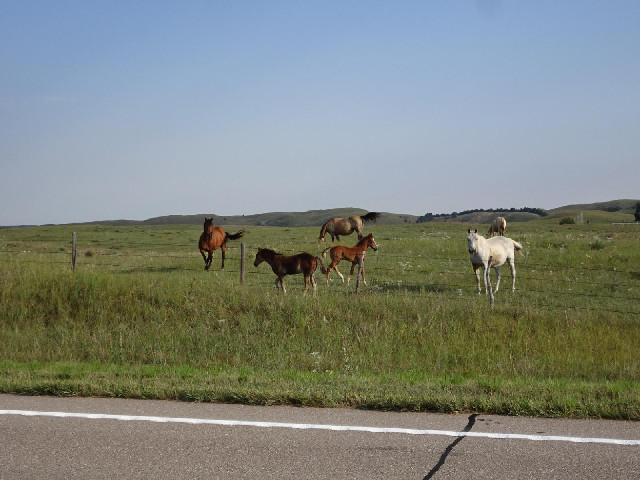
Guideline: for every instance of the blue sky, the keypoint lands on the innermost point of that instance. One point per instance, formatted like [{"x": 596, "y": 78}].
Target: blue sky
[{"x": 120, "y": 109}]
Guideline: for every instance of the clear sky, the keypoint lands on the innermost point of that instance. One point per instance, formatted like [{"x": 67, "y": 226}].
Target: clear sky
[{"x": 134, "y": 109}]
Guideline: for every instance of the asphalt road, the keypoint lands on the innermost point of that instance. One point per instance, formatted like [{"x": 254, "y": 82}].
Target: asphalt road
[{"x": 159, "y": 439}]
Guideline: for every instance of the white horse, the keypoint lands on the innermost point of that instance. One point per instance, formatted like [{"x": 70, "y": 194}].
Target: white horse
[
  {"x": 500, "y": 249},
  {"x": 499, "y": 225}
]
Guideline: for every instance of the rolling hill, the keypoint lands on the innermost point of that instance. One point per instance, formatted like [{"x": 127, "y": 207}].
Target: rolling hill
[
  {"x": 601, "y": 212},
  {"x": 309, "y": 218}
]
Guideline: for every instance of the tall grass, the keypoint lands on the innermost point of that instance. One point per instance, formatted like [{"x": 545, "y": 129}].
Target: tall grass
[{"x": 141, "y": 318}]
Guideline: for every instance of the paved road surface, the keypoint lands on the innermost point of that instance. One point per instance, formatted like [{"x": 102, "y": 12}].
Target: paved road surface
[{"x": 175, "y": 440}]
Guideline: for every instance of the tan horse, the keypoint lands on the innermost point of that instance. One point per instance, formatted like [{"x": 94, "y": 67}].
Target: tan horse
[
  {"x": 346, "y": 226},
  {"x": 499, "y": 226},
  {"x": 212, "y": 238},
  {"x": 282, "y": 265},
  {"x": 499, "y": 249},
  {"x": 352, "y": 254}
]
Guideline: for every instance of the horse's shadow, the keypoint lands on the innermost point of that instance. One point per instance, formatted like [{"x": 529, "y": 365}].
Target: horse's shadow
[
  {"x": 422, "y": 288},
  {"x": 152, "y": 269}
]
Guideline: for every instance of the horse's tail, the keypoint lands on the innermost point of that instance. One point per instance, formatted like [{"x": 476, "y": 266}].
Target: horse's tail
[
  {"x": 234, "y": 236},
  {"x": 324, "y": 252},
  {"x": 517, "y": 246},
  {"x": 370, "y": 217},
  {"x": 322, "y": 267}
]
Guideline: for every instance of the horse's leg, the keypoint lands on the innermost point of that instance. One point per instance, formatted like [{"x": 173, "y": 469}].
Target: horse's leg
[
  {"x": 207, "y": 265},
  {"x": 223, "y": 248},
  {"x": 335, "y": 267},
  {"x": 280, "y": 284},
  {"x": 497, "y": 269},
  {"x": 339, "y": 274},
  {"x": 476, "y": 270},
  {"x": 512, "y": 265},
  {"x": 307, "y": 280},
  {"x": 332, "y": 266},
  {"x": 353, "y": 266},
  {"x": 313, "y": 283},
  {"x": 204, "y": 257},
  {"x": 486, "y": 271}
]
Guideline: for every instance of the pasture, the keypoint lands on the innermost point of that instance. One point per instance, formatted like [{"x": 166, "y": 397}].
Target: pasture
[{"x": 141, "y": 318}]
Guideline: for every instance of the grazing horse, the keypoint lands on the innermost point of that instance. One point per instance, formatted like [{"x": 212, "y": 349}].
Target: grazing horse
[
  {"x": 352, "y": 254},
  {"x": 499, "y": 225},
  {"x": 212, "y": 238},
  {"x": 346, "y": 226},
  {"x": 282, "y": 265},
  {"x": 500, "y": 249}
]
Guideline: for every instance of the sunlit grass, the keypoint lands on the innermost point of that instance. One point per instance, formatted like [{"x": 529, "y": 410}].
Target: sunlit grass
[{"x": 141, "y": 318}]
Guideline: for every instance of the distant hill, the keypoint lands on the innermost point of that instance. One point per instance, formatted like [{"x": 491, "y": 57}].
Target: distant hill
[
  {"x": 620, "y": 206},
  {"x": 602, "y": 212},
  {"x": 486, "y": 216},
  {"x": 310, "y": 218}
]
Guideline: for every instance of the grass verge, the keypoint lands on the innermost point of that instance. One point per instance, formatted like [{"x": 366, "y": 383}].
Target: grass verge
[{"x": 507, "y": 396}]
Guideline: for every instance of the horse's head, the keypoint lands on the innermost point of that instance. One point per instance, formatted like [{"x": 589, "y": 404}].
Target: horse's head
[
  {"x": 259, "y": 258},
  {"x": 323, "y": 230},
  {"x": 472, "y": 241},
  {"x": 208, "y": 226},
  {"x": 371, "y": 243}
]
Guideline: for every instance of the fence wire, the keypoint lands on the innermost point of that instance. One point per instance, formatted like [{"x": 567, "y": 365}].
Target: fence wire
[{"x": 113, "y": 253}]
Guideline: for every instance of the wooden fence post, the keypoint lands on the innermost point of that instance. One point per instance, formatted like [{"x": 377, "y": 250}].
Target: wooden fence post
[
  {"x": 242, "y": 264},
  {"x": 360, "y": 264},
  {"x": 488, "y": 280},
  {"x": 74, "y": 251}
]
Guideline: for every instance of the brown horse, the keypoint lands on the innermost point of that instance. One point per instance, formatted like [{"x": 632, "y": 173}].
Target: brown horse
[
  {"x": 282, "y": 265},
  {"x": 352, "y": 254},
  {"x": 212, "y": 238},
  {"x": 499, "y": 225},
  {"x": 346, "y": 226}
]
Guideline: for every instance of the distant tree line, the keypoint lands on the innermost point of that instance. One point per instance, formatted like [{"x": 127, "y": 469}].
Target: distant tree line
[{"x": 429, "y": 217}]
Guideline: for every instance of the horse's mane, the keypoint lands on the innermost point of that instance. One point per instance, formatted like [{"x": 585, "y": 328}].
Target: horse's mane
[
  {"x": 268, "y": 251},
  {"x": 323, "y": 230},
  {"x": 370, "y": 217},
  {"x": 363, "y": 239}
]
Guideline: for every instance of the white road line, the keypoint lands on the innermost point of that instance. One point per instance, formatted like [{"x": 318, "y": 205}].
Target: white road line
[{"x": 311, "y": 426}]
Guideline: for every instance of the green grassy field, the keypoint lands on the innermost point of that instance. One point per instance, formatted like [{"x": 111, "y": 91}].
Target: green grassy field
[{"x": 141, "y": 318}]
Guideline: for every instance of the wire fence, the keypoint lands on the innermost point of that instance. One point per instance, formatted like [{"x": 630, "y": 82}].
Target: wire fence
[
  {"x": 91, "y": 259},
  {"x": 612, "y": 291}
]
